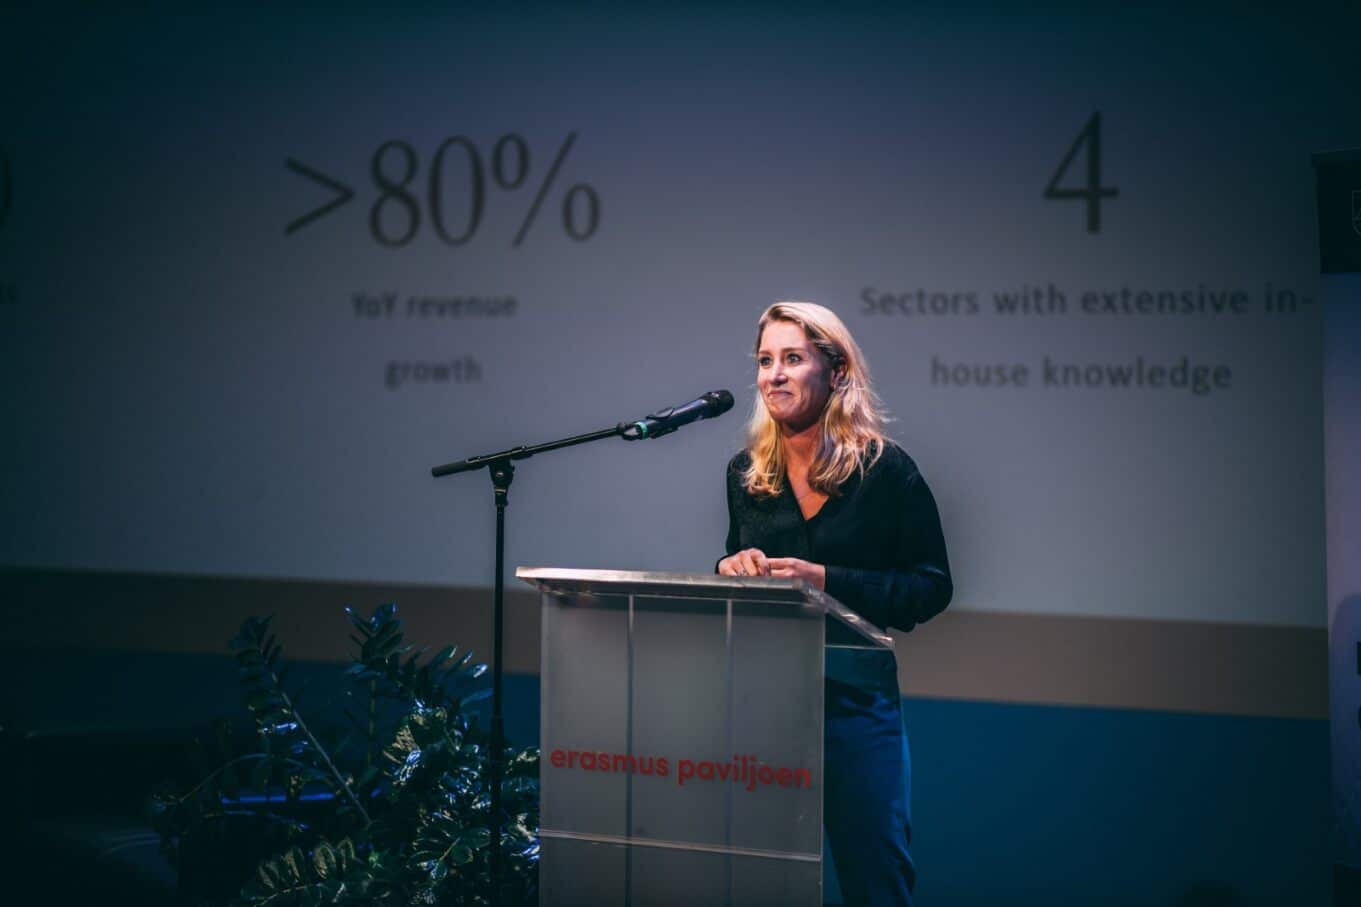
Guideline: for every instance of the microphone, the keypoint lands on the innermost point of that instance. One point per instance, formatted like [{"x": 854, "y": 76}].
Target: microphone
[{"x": 663, "y": 422}]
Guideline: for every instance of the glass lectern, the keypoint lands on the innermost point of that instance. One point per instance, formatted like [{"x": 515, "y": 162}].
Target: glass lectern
[{"x": 681, "y": 736}]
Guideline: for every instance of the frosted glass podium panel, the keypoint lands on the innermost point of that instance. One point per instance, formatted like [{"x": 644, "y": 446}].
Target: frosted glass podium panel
[{"x": 681, "y": 736}]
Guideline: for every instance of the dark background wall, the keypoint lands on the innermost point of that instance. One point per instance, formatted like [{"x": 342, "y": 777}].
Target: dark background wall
[{"x": 226, "y": 396}]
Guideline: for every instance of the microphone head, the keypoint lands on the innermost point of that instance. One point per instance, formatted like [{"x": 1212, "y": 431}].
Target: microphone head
[{"x": 719, "y": 402}]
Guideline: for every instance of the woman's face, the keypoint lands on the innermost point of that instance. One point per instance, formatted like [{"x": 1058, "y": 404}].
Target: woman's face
[{"x": 794, "y": 378}]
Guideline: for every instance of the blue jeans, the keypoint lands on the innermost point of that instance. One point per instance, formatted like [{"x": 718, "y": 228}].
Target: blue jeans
[{"x": 867, "y": 779}]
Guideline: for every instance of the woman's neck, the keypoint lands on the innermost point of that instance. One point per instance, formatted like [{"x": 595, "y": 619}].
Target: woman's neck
[{"x": 800, "y": 447}]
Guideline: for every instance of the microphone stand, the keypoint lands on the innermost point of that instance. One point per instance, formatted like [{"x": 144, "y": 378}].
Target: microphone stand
[{"x": 502, "y": 470}]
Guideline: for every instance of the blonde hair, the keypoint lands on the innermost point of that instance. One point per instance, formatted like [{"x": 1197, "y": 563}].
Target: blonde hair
[{"x": 852, "y": 422}]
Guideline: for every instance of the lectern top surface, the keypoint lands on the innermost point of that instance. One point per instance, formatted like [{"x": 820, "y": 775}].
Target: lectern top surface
[{"x": 701, "y": 585}]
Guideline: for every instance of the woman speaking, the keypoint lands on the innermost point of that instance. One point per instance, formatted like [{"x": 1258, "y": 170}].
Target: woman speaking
[{"x": 820, "y": 494}]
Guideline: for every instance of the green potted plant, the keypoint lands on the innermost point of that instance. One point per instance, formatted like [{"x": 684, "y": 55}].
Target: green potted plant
[{"x": 391, "y": 808}]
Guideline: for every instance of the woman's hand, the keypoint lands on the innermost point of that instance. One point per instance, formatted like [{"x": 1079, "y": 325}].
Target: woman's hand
[
  {"x": 793, "y": 568},
  {"x": 749, "y": 562}
]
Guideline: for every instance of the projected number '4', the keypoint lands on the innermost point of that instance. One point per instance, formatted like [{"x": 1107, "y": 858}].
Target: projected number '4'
[{"x": 1093, "y": 192}]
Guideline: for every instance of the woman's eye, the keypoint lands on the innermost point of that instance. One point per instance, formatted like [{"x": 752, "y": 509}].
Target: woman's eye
[
  {"x": 763, "y": 361},
  {"x": 793, "y": 357}
]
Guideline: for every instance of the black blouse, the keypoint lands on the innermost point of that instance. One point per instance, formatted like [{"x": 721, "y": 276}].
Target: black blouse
[{"x": 879, "y": 537}]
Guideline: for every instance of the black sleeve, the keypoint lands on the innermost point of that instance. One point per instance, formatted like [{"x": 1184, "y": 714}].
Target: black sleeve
[{"x": 917, "y": 586}]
